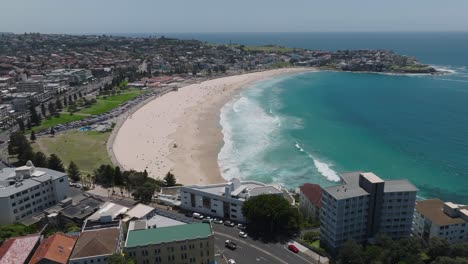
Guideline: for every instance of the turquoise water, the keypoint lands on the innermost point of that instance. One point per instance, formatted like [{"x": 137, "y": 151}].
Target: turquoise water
[{"x": 309, "y": 127}]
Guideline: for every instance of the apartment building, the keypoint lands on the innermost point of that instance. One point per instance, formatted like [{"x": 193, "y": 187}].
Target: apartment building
[
  {"x": 310, "y": 200},
  {"x": 27, "y": 190},
  {"x": 434, "y": 218},
  {"x": 224, "y": 200},
  {"x": 363, "y": 206},
  {"x": 175, "y": 244},
  {"x": 30, "y": 86}
]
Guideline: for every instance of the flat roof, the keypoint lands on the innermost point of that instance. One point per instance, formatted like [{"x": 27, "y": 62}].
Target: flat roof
[
  {"x": 371, "y": 177},
  {"x": 433, "y": 209},
  {"x": 401, "y": 185},
  {"x": 144, "y": 237},
  {"x": 109, "y": 208},
  {"x": 139, "y": 211}
]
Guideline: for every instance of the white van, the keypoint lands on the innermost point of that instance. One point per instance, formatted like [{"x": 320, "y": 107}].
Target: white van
[{"x": 197, "y": 215}]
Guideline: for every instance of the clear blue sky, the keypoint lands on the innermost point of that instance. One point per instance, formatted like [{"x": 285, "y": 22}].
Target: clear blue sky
[{"x": 153, "y": 16}]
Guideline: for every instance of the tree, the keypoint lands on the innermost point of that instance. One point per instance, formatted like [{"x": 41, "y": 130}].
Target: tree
[
  {"x": 145, "y": 192},
  {"x": 72, "y": 227},
  {"x": 118, "y": 258},
  {"x": 65, "y": 101},
  {"x": 35, "y": 117},
  {"x": 58, "y": 104},
  {"x": 438, "y": 247},
  {"x": 75, "y": 97},
  {"x": 170, "y": 180},
  {"x": 19, "y": 145},
  {"x": 52, "y": 131},
  {"x": 351, "y": 253},
  {"x": 74, "y": 172},
  {"x": 20, "y": 124},
  {"x": 118, "y": 177},
  {"x": 55, "y": 163},
  {"x": 43, "y": 109},
  {"x": 32, "y": 137},
  {"x": 51, "y": 107},
  {"x": 447, "y": 260},
  {"x": 271, "y": 214},
  {"x": 40, "y": 160},
  {"x": 28, "y": 124},
  {"x": 14, "y": 230}
]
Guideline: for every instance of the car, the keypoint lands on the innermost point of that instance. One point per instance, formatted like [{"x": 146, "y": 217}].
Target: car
[
  {"x": 293, "y": 248},
  {"x": 243, "y": 234},
  {"x": 241, "y": 226},
  {"x": 217, "y": 221},
  {"x": 229, "y": 244},
  {"x": 229, "y": 223},
  {"x": 231, "y": 261},
  {"x": 197, "y": 216}
]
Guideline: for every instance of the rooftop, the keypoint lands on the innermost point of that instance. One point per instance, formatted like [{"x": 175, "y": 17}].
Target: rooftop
[
  {"x": 313, "y": 192},
  {"x": 13, "y": 180},
  {"x": 17, "y": 250},
  {"x": 56, "y": 248},
  {"x": 139, "y": 211},
  {"x": 109, "y": 209},
  {"x": 168, "y": 234},
  {"x": 433, "y": 209},
  {"x": 96, "y": 243}
]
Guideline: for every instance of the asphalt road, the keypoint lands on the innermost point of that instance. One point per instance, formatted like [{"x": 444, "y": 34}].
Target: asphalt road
[{"x": 253, "y": 251}]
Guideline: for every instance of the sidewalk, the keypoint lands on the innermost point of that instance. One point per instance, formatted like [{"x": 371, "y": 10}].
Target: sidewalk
[{"x": 310, "y": 253}]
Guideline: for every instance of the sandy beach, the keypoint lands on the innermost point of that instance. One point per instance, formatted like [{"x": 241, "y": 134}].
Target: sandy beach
[{"x": 180, "y": 131}]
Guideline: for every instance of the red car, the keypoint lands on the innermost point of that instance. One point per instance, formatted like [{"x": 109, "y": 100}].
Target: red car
[{"x": 293, "y": 248}]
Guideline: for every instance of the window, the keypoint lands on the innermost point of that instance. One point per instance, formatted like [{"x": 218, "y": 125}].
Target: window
[{"x": 61, "y": 180}]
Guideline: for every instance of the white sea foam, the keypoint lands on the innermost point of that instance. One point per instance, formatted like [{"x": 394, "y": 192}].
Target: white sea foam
[
  {"x": 250, "y": 127},
  {"x": 447, "y": 69},
  {"x": 322, "y": 167}
]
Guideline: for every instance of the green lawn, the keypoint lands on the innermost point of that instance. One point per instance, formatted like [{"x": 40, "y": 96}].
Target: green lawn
[
  {"x": 86, "y": 149},
  {"x": 101, "y": 106},
  {"x": 111, "y": 102}
]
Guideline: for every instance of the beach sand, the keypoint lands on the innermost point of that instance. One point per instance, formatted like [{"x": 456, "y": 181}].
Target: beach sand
[{"x": 180, "y": 131}]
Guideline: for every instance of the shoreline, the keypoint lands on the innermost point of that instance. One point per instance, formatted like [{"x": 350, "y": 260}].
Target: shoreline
[{"x": 145, "y": 138}]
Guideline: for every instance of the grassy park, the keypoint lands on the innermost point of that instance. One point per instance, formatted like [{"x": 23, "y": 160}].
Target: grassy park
[
  {"x": 86, "y": 149},
  {"x": 103, "y": 104}
]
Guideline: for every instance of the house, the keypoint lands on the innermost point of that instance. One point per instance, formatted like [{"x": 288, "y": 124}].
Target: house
[
  {"x": 19, "y": 250},
  {"x": 56, "y": 249},
  {"x": 310, "y": 197}
]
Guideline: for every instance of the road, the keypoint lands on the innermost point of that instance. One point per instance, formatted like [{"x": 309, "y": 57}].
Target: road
[{"x": 254, "y": 251}]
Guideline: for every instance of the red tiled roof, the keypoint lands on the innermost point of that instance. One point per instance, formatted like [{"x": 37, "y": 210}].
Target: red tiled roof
[
  {"x": 313, "y": 192},
  {"x": 18, "y": 249},
  {"x": 56, "y": 248}
]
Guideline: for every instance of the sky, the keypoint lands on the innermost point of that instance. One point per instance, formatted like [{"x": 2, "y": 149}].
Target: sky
[{"x": 156, "y": 16}]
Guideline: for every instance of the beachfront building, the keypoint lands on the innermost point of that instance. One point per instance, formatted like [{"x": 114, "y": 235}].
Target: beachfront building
[
  {"x": 434, "y": 218},
  {"x": 179, "y": 244},
  {"x": 27, "y": 190},
  {"x": 224, "y": 200},
  {"x": 363, "y": 206},
  {"x": 310, "y": 197},
  {"x": 98, "y": 240}
]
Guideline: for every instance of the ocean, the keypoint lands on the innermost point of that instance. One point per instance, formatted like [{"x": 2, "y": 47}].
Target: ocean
[{"x": 310, "y": 127}]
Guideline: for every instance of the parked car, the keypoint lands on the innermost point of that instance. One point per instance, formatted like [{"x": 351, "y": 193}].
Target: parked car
[
  {"x": 229, "y": 244},
  {"x": 218, "y": 221},
  {"x": 197, "y": 216},
  {"x": 241, "y": 226},
  {"x": 243, "y": 234},
  {"x": 229, "y": 223},
  {"x": 293, "y": 248},
  {"x": 231, "y": 261}
]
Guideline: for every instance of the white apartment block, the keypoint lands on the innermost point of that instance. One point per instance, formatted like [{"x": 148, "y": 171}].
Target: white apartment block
[
  {"x": 364, "y": 206},
  {"x": 27, "y": 190},
  {"x": 434, "y": 218},
  {"x": 224, "y": 200}
]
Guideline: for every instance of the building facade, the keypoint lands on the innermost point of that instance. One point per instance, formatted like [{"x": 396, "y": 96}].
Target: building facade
[
  {"x": 179, "y": 244},
  {"x": 364, "y": 206},
  {"x": 30, "y": 86},
  {"x": 434, "y": 218},
  {"x": 310, "y": 199},
  {"x": 223, "y": 200},
  {"x": 27, "y": 190}
]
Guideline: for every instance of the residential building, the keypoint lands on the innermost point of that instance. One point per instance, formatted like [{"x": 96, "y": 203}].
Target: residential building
[
  {"x": 97, "y": 241},
  {"x": 19, "y": 250},
  {"x": 178, "y": 244},
  {"x": 363, "y": 206},
  {"x": 74, "y": 209},
  {"x": 224, "y": 200},
  {"x": 56, "y": 249},
  {"x": 30, "y": 86},
  {"x": 27, "y": 190},
  {"x": 310, "y": 197},
  {"x": 74, "y": 76},
  {"x": 109, "y": 210},
  {"x": 434, "y": 218}
]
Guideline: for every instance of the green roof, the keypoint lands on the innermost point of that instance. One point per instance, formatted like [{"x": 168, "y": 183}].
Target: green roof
[{"x": 168, "y": 234}]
